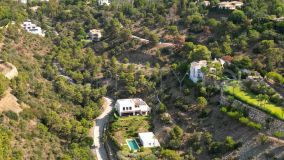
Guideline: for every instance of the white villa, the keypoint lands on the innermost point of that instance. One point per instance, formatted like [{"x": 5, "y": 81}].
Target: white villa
[
  {"x": 196, "y": 72},
  {"x": 33, "y": 28},
  {"x": 134, "y": 106},
  {"x": 95, "y": 34},
  {"x": 230, "y": 5},
  {"x": 148, "y": 140},
  {"x": 103, "y": 2}
]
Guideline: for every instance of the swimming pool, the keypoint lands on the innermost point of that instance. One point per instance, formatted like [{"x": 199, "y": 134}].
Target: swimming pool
[{"x": 132, "y": 144}]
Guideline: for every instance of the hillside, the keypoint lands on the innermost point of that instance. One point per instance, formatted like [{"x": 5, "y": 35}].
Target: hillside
[{"x": 71, "y": 54}]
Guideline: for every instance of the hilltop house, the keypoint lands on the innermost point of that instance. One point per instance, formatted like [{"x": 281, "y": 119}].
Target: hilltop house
[
  {"x": 230, "y": 5},
  {"x": 196, "y": 73},
  {"x": 195, "y": 70},
  {"x": 103, "y": 2},
  {"x": 95, "y": 34},
  {"x": 32, "y": 28},
  {"x": 148, "y": 140},
  {"x": 134, "y": 106}
]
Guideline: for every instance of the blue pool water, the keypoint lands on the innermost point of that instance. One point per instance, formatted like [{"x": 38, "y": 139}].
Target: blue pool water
[{"x": 132, "y": 144}]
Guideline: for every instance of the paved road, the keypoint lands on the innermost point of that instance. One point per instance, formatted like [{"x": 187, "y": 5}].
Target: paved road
[{"x": 99, "y": 124}]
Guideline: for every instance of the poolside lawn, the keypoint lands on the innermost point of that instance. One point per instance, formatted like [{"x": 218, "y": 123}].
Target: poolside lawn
[
  {"x": 129, "y": 127},
  {"x": 252, "y": 100}
]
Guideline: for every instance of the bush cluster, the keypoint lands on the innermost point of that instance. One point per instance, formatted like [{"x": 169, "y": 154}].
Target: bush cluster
[{"x": 240, "y": 116}]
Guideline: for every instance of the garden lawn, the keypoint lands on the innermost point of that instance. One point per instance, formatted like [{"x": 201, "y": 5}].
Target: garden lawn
[
  {"x": 251, "y": 99},
  {"x": 129, "y": 127}
]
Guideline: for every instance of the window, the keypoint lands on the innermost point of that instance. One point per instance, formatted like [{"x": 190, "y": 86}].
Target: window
[
  {"x": 124, "y": 108},
  {"x": 130, "y": 108}
]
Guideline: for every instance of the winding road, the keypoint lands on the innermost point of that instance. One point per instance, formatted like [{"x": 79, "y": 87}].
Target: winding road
[{"x": 98, "y": 130}]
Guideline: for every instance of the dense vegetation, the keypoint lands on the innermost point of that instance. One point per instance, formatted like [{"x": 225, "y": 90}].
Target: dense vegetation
[
  {"x": 3, "y": 85},
  {"x": 63, "y": 76}
]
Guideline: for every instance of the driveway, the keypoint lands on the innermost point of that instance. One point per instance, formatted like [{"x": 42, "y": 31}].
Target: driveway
[{"x": 98, "y": 129}]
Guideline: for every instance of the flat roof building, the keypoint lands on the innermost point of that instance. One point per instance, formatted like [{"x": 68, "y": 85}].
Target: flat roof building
[
  {"x": 135, "y": 106},
  {"x": 148, "y": 140}
]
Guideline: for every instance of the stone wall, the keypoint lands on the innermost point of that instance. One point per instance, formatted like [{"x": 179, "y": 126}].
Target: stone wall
[{"x": 270, "y": 124}]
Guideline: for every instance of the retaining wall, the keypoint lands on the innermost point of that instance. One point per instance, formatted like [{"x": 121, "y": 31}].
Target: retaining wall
[{"x": 270, "y": 124}]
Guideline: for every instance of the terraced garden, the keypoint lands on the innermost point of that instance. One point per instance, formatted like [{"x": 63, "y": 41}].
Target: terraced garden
[
  {"x": 129, "y": 127},
  {"x": 253, "y": 100}
]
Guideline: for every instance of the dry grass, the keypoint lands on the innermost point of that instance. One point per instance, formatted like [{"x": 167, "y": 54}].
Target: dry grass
[{"x": 9, "y": 103}]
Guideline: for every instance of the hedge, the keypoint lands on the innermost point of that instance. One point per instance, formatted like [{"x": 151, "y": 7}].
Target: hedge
[
  {"x": 239, "y": 116},
  {"x": 251, "y": 99}
]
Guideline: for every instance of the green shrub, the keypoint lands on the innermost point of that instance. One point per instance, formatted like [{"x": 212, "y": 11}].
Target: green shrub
[
  {"x": 263, "y": 139},
  {"x": 249, "y": 123},
  {"x": 162, "y": 108},
  {"x": 12, "y": 115},
  {"x": 170, "y": 155},
  {"x": 230, "y": 143},
  {"x": 4, "y": 84},
  {"x": 223, "y": 109},
  {"x": 278, "y": 134},
  {"x": 255, "y": 125},
  {"x": 27, "y": 114},
  {"x": 231, "y": 99},
  {"x": 150, "y": 157},
  {"x": 142, "y": 149},
  {"x": 215, "y": 148},
  {"x": 276, "y": 99},
  {"x": 186, "y": 92},
  {"x": 276, "y": 77},
  {"x": 205, "y": 113},
  {"x": 234, "y": 114},
  {"x": 244, "y": 120}
]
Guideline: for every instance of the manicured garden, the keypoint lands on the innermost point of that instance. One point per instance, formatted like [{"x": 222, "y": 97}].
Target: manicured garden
[
  {"x": 124, "y": 133},
  {"x": 128, "y": 127},
  {"x": 253, "y": 100}
]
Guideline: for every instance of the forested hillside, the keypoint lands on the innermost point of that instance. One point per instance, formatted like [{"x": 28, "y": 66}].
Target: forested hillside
[{"x": 145, "y": 51}]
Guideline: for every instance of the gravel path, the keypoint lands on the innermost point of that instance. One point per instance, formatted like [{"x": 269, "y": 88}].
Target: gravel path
[{"x": 98, "y": 130}]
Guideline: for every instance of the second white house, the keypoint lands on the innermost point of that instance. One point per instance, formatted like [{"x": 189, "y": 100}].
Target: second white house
[
  {"x": 196, "y": 73},
  {"x": 135, "y": 106},
  {"x": 148, "y": 140}
]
